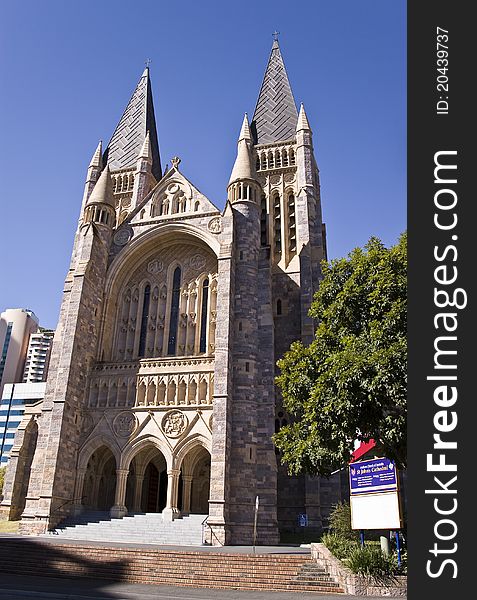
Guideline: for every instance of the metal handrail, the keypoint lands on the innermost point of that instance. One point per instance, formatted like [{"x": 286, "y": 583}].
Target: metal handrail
[{"x": 204, "y": 522}]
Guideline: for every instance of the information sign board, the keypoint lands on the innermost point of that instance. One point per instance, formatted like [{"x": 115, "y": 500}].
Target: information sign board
[{"x": 376, "y": 475}]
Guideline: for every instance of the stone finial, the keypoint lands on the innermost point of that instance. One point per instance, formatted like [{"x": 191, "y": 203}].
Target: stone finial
[
  {"x": 245, "y": 131},
  {"x": 303, "y": 123},
  {"x": 175, "y": 162},
  {"x": 97, "y": 160},
  {"x": 146, "y": 148}
]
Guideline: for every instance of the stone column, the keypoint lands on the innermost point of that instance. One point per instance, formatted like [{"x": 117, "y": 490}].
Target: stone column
[
  {"x": 138, "y": 493},
  {"x": 78, "y": 496},
  {"x": 171, "y": 511},
  {"x": 186, "y": 492},
  {"x": 119, "y": 509}
]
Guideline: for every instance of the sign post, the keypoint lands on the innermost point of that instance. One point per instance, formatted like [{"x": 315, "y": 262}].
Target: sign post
[
  {"x": 374, "y": 497},
  {"x": 257, "y": 503}
]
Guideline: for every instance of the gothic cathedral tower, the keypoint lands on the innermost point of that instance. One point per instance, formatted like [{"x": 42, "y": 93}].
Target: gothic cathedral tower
[{"x": 160, "y": 396}]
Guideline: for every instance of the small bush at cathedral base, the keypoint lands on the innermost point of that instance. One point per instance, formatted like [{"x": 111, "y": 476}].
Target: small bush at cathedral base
[
  {"x": 370, "y": 561},
  {"x": 339, "y": 546}
]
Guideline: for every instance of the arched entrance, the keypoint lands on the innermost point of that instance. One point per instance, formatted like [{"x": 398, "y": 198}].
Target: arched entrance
[
  {"x": 100, "y": 480},
  {"x": 23, "y": 470},
  {"x": 195, "y": 476},
  {"x": 146, "y": 489}
]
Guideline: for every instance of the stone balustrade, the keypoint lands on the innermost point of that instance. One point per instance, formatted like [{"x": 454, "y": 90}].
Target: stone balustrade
[{"x": 157, "y": 382}]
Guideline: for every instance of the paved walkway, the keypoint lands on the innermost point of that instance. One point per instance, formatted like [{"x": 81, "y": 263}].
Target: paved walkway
[
  {"x": 52, "y": 539},
  {"x": 23, "y": 587}
]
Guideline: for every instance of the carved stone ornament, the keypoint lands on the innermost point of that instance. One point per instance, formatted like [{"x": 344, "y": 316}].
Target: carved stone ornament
[
  {"x": 87, "y": 424},
  {"x": 155, "y": 266},
  {"x": 125, "y": 424},
  {"x": 197, "y": 261},
  {"x": 174, "y": 423},
  {"x": 214, "y": 225},
  {"x": 275, "y": 179},
  {"x": 289, "y": 177},
  {"x": 122, "y": 236}
]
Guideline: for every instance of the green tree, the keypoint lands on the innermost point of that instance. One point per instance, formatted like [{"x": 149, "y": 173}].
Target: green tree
[
  {"x": 2, "y": 478},
  {"x": 350, "y": 382}
]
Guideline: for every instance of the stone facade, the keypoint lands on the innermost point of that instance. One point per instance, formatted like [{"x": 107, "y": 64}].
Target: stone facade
[{"x": 160, "y": 395}]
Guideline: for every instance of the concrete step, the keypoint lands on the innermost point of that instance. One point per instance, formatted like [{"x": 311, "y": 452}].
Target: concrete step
[{"x": 146, "y": 528}]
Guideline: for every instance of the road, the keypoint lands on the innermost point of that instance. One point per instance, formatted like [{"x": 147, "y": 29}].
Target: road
[{"x": 24, "y": 587}]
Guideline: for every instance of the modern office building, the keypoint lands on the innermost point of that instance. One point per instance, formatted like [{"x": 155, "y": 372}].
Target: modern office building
[
  {"x": 16, "y": 326},
  {"x": 15, "y": 398},
  {"x": 38, "y": 356}
]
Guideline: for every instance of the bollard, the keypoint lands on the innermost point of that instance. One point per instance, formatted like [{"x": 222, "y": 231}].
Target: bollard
[{"x": 384, "y": 544}]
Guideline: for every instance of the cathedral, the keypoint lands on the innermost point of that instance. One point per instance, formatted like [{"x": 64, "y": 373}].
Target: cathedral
[{"x": 160, "y": 394}]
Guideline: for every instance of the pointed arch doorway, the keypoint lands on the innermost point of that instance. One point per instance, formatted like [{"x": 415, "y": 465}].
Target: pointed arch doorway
[
  {"x": 146, "y": 489},
  {"x": 194, "y": 483}
]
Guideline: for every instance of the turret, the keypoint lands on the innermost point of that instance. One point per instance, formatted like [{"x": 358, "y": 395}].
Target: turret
[
  {"x": 94, "y": 171},
  {"x": 99, "y": 208},
  {"x": 243, "y": 184}
]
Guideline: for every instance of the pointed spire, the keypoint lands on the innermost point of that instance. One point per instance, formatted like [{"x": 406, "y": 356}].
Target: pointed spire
[
  {"x": 275, "y": 116},
  {"x": 245, "y": 131},
  {"x": 103, "y": 190},
  {"x": 96, "y": 160},
  {"x": 244, "y": 167},
  {"x": 303, "y": 120},
  {"x": 146, "y": 148},
  {"x": 128, "y": 139}
]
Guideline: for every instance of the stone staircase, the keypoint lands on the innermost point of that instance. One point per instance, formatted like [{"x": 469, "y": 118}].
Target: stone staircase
[
  {"x": 205, "y": 568},
  {"x": 139, "y": 528}
]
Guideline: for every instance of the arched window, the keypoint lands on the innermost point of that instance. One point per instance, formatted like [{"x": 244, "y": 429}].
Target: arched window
[
  {"x": 144, "y": 320},
  {"x": 277, "y": 224},
  {"x": 263, "y": 222},
  {"x": 285, "y": 157},
  {"x": 173, "y": 322},
  {"x": 203, "y": 317},
  {"x": 291, "y": 225}
]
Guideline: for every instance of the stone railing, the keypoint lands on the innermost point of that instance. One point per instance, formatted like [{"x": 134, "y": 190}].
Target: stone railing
[
  {"x": 164, "y": 382},
  {"x": 113, "y": 385}
]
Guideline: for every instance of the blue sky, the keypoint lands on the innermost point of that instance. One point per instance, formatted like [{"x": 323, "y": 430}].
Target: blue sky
[{"x": 67, "y": 70}]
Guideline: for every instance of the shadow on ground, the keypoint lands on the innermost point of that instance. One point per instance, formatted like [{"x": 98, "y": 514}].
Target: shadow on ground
[{"x": 32, "y": 558}]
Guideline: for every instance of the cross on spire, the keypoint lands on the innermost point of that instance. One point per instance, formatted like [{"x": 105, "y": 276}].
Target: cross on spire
[
  {"x": 147, "y": 62},
  {"x": 275, "y": 35}
]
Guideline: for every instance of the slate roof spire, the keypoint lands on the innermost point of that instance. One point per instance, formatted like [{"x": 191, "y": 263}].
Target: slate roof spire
[
  {"x": 275, "y": 116},
  {"x": 127, "y": 141}
]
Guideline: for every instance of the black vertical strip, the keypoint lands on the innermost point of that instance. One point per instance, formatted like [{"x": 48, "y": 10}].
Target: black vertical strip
[
  {"x": 174, "y": 320},
  {"x": 203, "y": 317},
  {"x": 441, "y": 396},
  {"x": 144, "y": 319}
]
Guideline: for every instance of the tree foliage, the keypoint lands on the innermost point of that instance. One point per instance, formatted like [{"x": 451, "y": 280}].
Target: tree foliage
[
  {"x": 2, "y": 478},
  {"x": 350, "y": 382}
]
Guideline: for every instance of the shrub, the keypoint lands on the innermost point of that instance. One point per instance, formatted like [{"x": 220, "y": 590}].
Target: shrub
[
  {"x": 371, "y": 562},
  {"x": 338, "y": 545},
  {"x": 340, "y": 521}
]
